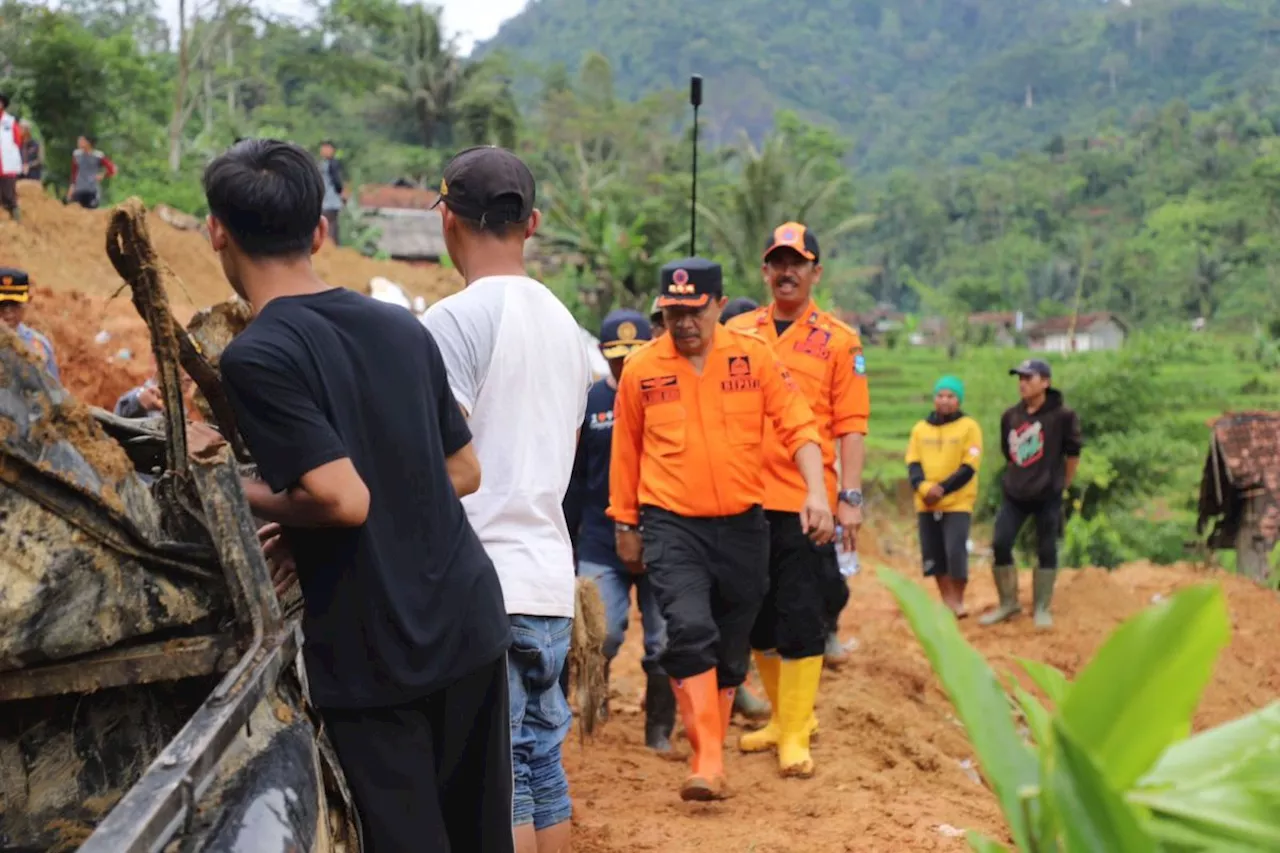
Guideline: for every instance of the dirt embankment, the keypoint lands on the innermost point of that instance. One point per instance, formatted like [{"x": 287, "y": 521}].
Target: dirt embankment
[
  {"x": 62, "y": 248},
  {"x": 893, "y": 772}
]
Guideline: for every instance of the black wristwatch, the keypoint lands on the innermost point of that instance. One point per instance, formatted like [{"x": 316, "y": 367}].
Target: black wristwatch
[{"x": 852, "y": 497}]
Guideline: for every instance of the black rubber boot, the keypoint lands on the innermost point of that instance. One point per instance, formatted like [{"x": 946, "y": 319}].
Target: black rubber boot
[
  {"x": 604, "y": 703},
  {"x": 659, "y": 713}
]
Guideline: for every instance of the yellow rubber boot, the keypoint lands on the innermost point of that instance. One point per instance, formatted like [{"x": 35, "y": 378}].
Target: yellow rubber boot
[
  {"x": 797, "y": 694},
  {"x": 768, "y": 664}
]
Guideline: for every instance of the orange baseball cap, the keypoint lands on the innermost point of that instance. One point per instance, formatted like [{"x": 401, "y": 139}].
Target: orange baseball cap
[{"x": 793, "y": 235}]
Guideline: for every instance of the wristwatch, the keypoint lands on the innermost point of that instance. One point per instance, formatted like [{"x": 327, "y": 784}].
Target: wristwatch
[
  {"x": 623, "y": 528},
  {"x": 852, "y": 497}
]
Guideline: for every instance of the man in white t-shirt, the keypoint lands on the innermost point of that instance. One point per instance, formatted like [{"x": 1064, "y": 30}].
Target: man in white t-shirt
[{"x": 519, "y": 370}]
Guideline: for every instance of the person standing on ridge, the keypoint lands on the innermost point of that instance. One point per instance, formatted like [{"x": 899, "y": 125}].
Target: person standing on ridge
[
  {"x": 1041, "y": 441},
  {"x": 15, "y": 295},
  {"x": 824, "y": 357},
  {"x": 520, "y": 372},
  {"x": 335, "y": 191},
  {"x": 685, "y": 493},
  {"x": 943, "y": 455},
  {"x": 362, "y": 453},
  {"x": 622, "y": 333},
  {"x": 11, "y": 163},
  {"x": 89, "y": 167},
  {"x": 32, "y": 154}
]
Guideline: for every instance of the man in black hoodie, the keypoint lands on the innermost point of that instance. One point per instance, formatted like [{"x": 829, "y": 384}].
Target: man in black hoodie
[{"x": 1041, "y": 441}]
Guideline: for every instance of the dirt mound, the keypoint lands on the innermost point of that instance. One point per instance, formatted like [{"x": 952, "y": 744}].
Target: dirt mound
[
  {"x": 894, "y": 771},
  {"x": 62, "y": 248}
]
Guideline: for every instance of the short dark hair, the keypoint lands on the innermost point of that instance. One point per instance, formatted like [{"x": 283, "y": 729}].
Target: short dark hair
[
  {"x": 90, "y": 138},
  {"x": 501, "y": 230},
  {"x": 328, "y": 142},
  {"x": 268, "y": 194},
  {"x": 4, "y": 101}
]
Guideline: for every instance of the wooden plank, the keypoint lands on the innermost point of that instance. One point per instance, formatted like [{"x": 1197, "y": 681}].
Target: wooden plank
[{"x": 167, "y": 661}]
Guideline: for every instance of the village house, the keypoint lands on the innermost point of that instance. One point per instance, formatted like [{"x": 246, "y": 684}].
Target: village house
[
  {"x": 409, "y": 228},
  {"x": 999, "y": 327},
  {"x": 1084, "y": 333},
  {"x": 1240, "y": 489}
]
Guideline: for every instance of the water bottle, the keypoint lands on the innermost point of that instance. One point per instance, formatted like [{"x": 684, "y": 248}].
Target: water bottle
[{"x": 848, "y": 560}]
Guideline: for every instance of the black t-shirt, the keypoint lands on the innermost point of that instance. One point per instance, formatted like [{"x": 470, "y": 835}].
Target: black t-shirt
[
  {"x": 588, "y": 496},
  {"x": 782, "y": 325},
  {"x": 408, "y": 602}
]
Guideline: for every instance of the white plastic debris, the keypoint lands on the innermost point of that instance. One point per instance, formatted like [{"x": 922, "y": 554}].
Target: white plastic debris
[
  {"x": 950, "y": 831},
  {"x": 124, "y": 354},
  {"x": 386, "y": 290},
  {"x": 102, "y": 337}
]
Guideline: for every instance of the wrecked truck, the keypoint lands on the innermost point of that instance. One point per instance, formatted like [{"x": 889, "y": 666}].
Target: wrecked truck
[{"x": 152, "y": 696}]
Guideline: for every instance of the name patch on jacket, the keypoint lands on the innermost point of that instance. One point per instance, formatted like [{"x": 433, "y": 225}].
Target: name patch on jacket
[
  {"x": 659, "y": 389},
  {"x": 740, "y": 378}
]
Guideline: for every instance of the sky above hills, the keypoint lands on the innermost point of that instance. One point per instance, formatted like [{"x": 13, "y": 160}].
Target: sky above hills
[{"x": 471, "y": 20}]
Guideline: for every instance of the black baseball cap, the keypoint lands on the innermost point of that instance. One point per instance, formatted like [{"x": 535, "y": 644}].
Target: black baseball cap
[
  {"x": 489, "y": 185},
  {"x": 793, "y": 235},
  {"x": 623, "y": 331},
  {"x": 14, "y": 285},
  {"x": 740, "y": 305},
  {"x": 690, "y": 283},
  {"x": 1032, "y": 367}
]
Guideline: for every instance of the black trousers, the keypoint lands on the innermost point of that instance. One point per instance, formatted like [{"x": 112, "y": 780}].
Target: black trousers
[
  {"x": 434, "y": 774},
  {"x": 710, "y": 576},
  {"x": 793, "y": 617},
  {"x": 944, "y": 544},
  {"x": 332, "y": 216},
  {"x": 1013, "y": 514},
  {"x": 9, "y": 193}
]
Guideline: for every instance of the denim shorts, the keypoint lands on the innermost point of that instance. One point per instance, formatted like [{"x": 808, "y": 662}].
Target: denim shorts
[{"x": 540, "y": 719}]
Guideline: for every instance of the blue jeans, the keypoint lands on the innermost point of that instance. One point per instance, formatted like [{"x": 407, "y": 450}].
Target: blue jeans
[
  {"x": 615, "y": 590},
  {"x": 540, "y": 719}
]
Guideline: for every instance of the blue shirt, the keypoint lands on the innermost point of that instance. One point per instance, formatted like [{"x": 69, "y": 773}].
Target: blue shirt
[
  {"x": 39, "y": 345},
  {"x": 588, "y": 496}
]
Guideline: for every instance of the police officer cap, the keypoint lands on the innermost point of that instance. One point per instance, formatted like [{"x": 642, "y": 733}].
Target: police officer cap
[{"x": 690, "y": 283}]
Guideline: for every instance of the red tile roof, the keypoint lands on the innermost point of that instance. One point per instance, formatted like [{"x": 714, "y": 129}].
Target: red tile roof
[
  {"x": 1250, "y": 446},
  {"x": 399, "y": 198},
  {"x": 1062, "y": 325}
]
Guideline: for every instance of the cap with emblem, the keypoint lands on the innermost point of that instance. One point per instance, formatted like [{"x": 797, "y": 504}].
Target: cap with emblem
[
  {"x": 690, "y": 283},
  {"x": 1032, "y": 367},
  {"x": 14, "y": 285},
  {"x": 623, "y": 331},
  {"x": 489, "y": 185},
  {"x": 792, "y": 235}
]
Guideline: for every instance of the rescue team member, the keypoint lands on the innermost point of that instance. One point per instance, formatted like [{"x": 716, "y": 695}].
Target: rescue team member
[
  {"x": 622, "y": 333},
  {"x": 345, "y": 406},
  {"x": 11, "y": 138},
  {"x": 15, "y": 295},
  {"x": 824, "y": 358},
  {"x": 1041, "y": 441},
  {"x": 943, "y": 455},
  {"x": 519, "y": 371},
  {"x": 685, "y": 490}
]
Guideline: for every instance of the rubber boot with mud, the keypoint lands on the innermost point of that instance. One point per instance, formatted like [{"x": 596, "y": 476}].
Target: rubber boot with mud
[
  {"x": 835, "y": 655},
  {"x": 699, "y": 699},
  {"x": 797, "y": 693},
  {"x": 659, "y": 713},
  {"x": 768, "y": 664},
  {"x": 1042, "y": 595},
  {"x": 604, "y": 703},
  {"x": 728, "y": 699},
  {"x": 749, "y": 705},
  {"x": 1007, "y": 586}
]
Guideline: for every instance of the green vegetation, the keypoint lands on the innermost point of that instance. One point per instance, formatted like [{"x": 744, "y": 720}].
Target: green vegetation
[
  {"x": 1145, "y": 412},
  {"x": 1109, "y": 765},
  {"x": 917, "y": 83}
]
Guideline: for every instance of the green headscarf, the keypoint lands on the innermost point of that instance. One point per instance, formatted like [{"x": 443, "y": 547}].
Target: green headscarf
[{"x": 952, "y": 384}]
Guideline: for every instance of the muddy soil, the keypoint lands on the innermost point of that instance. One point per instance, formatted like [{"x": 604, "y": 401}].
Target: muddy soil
[{"x": 891, "y": 758}]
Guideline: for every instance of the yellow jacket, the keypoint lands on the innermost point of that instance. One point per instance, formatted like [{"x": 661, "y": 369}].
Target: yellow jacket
[{"x": 937, "y": 453}]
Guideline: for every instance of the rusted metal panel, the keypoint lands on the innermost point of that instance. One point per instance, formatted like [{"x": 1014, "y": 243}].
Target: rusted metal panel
[{"x": 145, "y": 664}]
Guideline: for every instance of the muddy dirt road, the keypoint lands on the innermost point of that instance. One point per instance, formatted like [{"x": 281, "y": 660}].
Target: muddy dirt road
[{"x": 891, "y": 758}]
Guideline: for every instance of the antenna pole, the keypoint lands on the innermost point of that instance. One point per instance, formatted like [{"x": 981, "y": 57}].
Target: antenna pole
[{"x": 695, "y": 98}]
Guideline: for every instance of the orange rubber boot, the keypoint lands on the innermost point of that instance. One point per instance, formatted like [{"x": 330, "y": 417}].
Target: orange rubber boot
[{"x": 699, "y": 701}]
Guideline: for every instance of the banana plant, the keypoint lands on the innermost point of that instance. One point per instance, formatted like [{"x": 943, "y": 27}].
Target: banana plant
[{"x": 1109, "y": 765}]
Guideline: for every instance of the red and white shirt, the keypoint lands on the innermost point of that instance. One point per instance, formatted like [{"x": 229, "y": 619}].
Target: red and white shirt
[{"x": 10, "y": 146}]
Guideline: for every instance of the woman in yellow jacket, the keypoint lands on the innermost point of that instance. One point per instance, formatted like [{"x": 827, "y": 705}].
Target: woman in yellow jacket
[{"x": 942, "y": 463}]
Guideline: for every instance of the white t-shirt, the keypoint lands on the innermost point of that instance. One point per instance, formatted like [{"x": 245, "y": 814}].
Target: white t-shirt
[{"x": 517, "y": 365}]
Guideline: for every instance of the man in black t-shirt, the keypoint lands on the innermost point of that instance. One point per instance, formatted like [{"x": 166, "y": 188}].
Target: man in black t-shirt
[{"x": 363, "y": 452}]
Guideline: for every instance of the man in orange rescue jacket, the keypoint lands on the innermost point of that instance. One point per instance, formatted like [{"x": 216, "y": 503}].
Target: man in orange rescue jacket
[
  {"x": 686, "y": 493},
  {"x": 824, "y": 357}
]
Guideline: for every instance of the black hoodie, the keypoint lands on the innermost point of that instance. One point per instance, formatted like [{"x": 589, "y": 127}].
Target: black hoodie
[{"x": 1037, "y": 446}]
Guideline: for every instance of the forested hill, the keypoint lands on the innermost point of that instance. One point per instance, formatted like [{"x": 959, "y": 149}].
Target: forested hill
[{"x": 917, "y": 81}]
